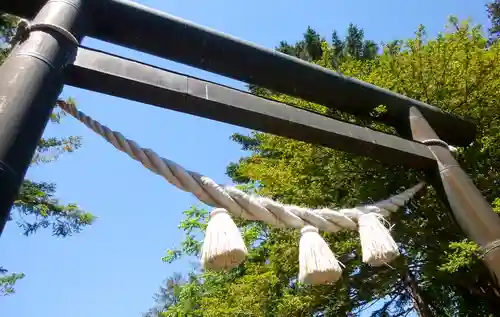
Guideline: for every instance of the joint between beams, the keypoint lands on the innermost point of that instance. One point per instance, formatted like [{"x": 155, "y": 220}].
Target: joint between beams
[
  {"x": 435, "y": 142},
  {"x": 25, "y": 27},
  {"x": 62, "y": 31},
  {"x": 489, "y": 247},
  {"x": 439, "y": 142}
]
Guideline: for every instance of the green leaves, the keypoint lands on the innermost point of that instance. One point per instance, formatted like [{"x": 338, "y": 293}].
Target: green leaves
[
  {"x": 172, "y": 255},
  {"x": 496, "y": 205},
  {"x": 462, "y": 254},
  {"x": 456, "y": 71},
  {"x": 51, "y": 149},
  {"x": 37, "y": 208},
  {"x": 194, "y": 225},
  {"x": 7, "y": 281},
  {"x": 494, "y": 15},
  {"x": 7, "y": 32}
]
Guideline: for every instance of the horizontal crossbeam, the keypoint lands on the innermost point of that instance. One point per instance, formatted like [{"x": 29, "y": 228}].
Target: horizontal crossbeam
[
  {"x": 126, "y": 23},
  {"x": 120, "y": 77}
]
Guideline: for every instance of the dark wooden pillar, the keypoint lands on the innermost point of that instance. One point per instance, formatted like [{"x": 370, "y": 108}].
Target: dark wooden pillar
[{"x": 31, "y": 79}]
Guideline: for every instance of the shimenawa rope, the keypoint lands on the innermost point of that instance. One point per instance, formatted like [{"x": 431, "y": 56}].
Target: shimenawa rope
[{"x": 223, "y": 247}]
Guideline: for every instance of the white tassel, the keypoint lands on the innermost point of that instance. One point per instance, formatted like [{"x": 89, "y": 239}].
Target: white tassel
[
  {"x": 376, "y": 242},
  {"x": 223, "y": 247},
  {"x": 317, "y": 263}
]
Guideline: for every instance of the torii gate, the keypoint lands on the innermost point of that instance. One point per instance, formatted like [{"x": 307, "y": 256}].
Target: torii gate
[{"x": 49, "y": 56}]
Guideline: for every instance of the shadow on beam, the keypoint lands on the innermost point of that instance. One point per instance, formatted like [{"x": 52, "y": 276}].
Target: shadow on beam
[
  {"x": 132, "y": 25},
  {"x": 120, "y": 77}
]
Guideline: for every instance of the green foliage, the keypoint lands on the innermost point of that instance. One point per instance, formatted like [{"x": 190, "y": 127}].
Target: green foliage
[
  {"x": 459, "y": 72},
  {"x": 49, "y": 150},
  {"x": 494, "y": 15},
  {"x": 168, "y": 295},
  {"x": 462, "y": 254},
  {"x": 194, "y": 224},
  {"x": 496, "y": 205},
  {"x": 352, "y": 46},
  {"x": 7, "y": 31},
  {"x": 379, "y": 111},
  {"x": 7, "y": 281},
  {"x": 308, "y": 49},
  {"x": 313, "y": 48},
  {"x": 37, "y": 208}
]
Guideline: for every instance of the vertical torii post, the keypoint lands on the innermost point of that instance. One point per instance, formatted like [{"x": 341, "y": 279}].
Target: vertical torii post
[
  {"x": 30, "y": 82},
  {"x": 470, "y": 209}
]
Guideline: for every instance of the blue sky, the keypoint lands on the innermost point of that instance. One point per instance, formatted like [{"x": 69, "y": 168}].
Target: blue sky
[{"x": 114, "y": 267}]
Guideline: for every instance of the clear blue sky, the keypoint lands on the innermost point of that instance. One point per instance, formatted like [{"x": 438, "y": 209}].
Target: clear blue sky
[{"x": 114, "y": 267}]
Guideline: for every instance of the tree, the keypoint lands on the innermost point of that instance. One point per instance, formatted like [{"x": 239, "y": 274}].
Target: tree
[
  {"x": 312, "y": 48},
  {"x": 168, "y": 295},
  {"x": 308, "y": 49},
  {"x": 35, "y": 206},
  {"x": 440, "y": 273},
  {"x": 7, "y": 281},
  {"x": 494, "y": 15}
]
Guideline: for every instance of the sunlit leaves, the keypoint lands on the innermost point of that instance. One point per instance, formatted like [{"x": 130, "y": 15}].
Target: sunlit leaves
[
  {"x": 494, "y": 15},
  {"x": 37, "y": 208},
  {"x": 7, "y": 281},
  {"x": 194, "y": 224},
  {"x": 457, "y": 71},
  {"x": 462, "y": 255}
]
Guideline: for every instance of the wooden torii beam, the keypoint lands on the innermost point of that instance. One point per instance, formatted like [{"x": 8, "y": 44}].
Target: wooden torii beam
[
  {"x": 32, "y": 77},
  {"x": 163, "y": 35},
  {"x": 125, "y": 78}
]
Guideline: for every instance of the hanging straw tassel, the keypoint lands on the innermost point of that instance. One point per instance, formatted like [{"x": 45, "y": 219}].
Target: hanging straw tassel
[
  {"x": 223, "y": 247},
  {"x": 317, "y": 263},
  {"x": 376, "y": 242}
]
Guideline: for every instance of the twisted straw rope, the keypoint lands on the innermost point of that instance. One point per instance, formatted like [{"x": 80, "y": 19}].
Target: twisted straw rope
[{"x": 234, "y": 200}]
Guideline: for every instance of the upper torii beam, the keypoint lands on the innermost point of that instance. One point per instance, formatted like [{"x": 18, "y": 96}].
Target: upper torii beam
[{"x": 163, "y": 35}]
